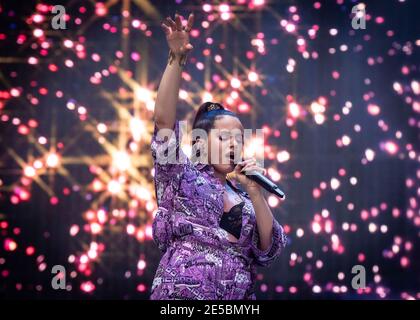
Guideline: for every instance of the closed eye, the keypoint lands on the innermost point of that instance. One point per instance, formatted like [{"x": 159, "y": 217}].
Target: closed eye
[
  {"x": 239, "y": 138},
  {"x": 224, "y": 137}
]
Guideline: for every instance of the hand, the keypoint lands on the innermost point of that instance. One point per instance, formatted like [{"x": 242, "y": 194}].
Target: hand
[
  {"x": 248, "y": 167},
  {"x": 177, "y": 35}
]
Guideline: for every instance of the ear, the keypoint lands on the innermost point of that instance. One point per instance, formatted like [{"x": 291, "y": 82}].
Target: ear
[
  {"x": 200, "y": 142},
  {"x": 200, "y": 149}
]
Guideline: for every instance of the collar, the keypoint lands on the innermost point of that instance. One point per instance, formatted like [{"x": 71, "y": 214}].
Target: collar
[
  {"x": 208, "y": 170},
  {"x": 203, "y": 167}
]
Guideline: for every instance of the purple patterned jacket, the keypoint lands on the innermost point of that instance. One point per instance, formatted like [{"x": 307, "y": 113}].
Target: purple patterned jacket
[{"x": 199, "y": 262}]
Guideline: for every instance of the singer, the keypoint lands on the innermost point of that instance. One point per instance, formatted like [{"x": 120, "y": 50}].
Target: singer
[{"x": 213, "y": 231}]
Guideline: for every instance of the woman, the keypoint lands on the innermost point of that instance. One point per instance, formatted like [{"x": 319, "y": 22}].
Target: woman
[{"x": 212, "y": 233}]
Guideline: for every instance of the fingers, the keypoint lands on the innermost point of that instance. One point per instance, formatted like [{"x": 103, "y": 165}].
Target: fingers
[
  {"x": 166, "y": 29},
  {"x": 249, "y": 166},
  {"x": 245, "y": 162},
  {"x": 178, "y": 22},
  {"x": 251, "y": 169},
  {"x": 171, "y": 23},
  {"x": 242, "y": 164},
  {"x": 190, "y": 22},
  {"x": 187, "y": 48}
]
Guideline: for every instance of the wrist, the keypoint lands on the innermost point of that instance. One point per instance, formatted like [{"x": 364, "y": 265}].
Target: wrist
[{"x": 179, "y": 58}]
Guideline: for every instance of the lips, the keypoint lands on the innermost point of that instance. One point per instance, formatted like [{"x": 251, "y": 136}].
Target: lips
[{"x": 231, "y": 156}]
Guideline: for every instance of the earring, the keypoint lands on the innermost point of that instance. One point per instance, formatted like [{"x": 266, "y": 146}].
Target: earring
[{"x": 195, "y": 150}]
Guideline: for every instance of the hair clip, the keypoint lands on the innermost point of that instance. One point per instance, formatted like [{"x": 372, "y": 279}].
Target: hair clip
[{"x": 213, "y": 106}]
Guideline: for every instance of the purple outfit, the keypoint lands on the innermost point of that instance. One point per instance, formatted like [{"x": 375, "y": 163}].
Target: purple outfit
[{"x": 199, "y": 261}]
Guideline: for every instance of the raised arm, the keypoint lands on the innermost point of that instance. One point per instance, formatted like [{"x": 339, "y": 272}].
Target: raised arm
[{"x": 177, "y": 37}]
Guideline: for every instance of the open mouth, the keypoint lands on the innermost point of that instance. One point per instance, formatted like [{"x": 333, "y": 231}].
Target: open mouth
[{"x": 231, "y": 156}]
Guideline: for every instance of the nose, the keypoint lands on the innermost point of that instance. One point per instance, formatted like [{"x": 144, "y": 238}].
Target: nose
[{"x": 233, "y": 145}]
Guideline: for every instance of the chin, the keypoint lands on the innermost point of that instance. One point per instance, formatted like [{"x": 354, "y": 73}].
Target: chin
[{"x": 224, "y": 168}]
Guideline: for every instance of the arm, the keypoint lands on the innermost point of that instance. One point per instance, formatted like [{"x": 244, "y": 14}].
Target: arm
[
  {"x": 263, "y": 212},
  {"x": 264, "y": 219},
  {"x": 268, "y": 237},
  {"x": 167, "y": 97},
  {"x": 168, "y": 166},
  {"x": 168, "y": 91}
]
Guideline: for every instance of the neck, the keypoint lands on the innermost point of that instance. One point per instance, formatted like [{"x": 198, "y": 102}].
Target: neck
[{"x": 220, "y": 176}]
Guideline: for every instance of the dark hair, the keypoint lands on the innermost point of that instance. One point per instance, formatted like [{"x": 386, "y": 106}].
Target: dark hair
[
  {"x": 204, "y": 119},
  {"x": 207, "y": 113}
]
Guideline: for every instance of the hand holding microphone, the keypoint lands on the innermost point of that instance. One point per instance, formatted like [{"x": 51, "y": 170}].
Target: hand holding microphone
[{"x": 251, "y": 176}]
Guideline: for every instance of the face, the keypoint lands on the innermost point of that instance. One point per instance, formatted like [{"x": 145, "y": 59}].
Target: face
[{"x": 225, "y": 144}]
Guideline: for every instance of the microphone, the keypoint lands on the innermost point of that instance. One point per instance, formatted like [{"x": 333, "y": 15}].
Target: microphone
[{"x": 264, "y": 182}]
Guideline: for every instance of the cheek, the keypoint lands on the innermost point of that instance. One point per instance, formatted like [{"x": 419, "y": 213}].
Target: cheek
[
  {"x": 212, "y": 146},
  {"x": 217, "y": 149},
  {"x": 222, "y": 147}
]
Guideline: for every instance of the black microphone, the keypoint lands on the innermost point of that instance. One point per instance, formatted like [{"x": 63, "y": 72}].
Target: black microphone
[{"x": 264, "y": 182}]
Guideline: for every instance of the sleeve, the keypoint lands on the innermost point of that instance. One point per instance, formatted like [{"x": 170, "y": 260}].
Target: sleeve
[
  {"x": 162, "y": 228},
  {"x": 278, "y": 242},
  {"x": 170, "y": 162}
]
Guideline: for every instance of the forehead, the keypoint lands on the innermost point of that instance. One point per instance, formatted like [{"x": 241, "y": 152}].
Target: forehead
[{"x": 228, "y": 123}]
